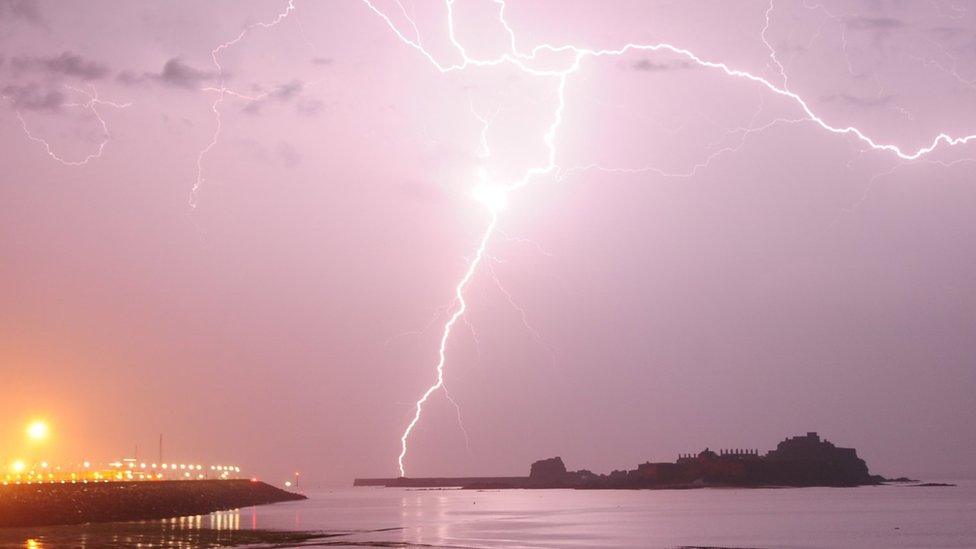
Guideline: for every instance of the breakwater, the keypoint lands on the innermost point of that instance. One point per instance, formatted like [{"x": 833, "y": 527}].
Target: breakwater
[{"x": 45, "y": 504}]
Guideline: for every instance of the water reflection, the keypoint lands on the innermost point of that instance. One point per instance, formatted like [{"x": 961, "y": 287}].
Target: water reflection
[
  {"x": 814, "y": 517},
  {"x": 226, "y": 520},
  {"x": 427, "y": 511},
  {"x": 218, "y": 529}
]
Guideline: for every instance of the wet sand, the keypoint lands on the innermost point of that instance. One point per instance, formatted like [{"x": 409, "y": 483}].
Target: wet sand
[{"x": 224, "y": 530}]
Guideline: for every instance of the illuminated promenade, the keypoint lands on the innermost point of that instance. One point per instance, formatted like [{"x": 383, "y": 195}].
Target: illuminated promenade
[
  {"x": 127, "y": 470},
  {"x": 22, "y": 471}
]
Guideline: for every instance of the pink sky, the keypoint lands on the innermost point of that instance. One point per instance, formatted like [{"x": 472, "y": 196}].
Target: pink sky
[{"x": 795, "y": 280}]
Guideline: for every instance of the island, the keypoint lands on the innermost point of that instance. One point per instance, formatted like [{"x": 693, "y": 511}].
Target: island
[{"x": 805, "y": 460}]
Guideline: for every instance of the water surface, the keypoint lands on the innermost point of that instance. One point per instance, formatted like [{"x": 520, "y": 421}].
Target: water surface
[{"x": 876, "y": 516}]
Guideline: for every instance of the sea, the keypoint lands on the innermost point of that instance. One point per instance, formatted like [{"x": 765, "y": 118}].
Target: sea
[{"x": 889, "y": 516}]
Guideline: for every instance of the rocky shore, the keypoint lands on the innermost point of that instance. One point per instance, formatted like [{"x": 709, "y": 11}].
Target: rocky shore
[
  {"x": 805, "y": 460},
  {"x": 53, "y": 504}
]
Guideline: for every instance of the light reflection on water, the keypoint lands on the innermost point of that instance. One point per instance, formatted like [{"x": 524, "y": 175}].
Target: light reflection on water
[
  {"x": 885, "y": 516},
  {"x": 180, "y": 532}
]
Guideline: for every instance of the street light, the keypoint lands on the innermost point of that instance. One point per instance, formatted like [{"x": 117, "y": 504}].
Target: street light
[{"x": 37, "y": 430}]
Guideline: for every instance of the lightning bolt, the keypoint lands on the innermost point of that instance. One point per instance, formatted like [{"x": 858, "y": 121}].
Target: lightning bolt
[
  {"x": 523, "y": 61},
  {"x": 744, "y": 133},
  {"x": 772, "y": 50},
  {"x": 522, "y": 314},
  {"x": 528, "y": 242},
  {"x": 484, "y": 148},
  {"x": 457, "y": 408},
  {"x": 436, "y": 314},
  {"x": 869, "y": 187},
  {"x": 460, "y": 306},
  {"x": 223, "y": 91},
  {"x": 91, "y": 105}
]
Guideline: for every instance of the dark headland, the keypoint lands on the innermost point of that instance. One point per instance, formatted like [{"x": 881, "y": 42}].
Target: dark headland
[
  {"x": 48, "y": 504},
  {"x": 804, "y": 460}
]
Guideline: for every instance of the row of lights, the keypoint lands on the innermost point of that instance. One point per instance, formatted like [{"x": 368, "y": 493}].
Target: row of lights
[
  {"x": 127, "y": 469},
  {"x": 32, "y": 478},
  {"x": 19, "y": 466},
  {"x": 172, "y": 466},
  {"x": 41, "y": 481},
  {"x": 38, "y": 430}
]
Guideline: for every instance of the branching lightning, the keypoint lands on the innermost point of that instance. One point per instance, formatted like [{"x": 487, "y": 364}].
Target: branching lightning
[
  {"x": 772, "y": 50},
  {"x": 524, "y": 316},
  {"x": 524, "y": 62},
  {"x": 744, "y": 133},
  {"x": 460, "y": 306},
  {"x": 91, "y": 105},
  {"x": 495, "y": 195},
  {"x": 223, "y": 91},
  {"x": 460, "y": 420}
]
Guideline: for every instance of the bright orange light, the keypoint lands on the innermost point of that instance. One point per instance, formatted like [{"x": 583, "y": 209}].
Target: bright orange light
[
  {"x": 18, "y": 466},
  {"x": 37, "y": 430}
]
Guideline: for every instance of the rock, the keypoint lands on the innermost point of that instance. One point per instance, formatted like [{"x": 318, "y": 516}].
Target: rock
[{"x": 548, "y": 471}]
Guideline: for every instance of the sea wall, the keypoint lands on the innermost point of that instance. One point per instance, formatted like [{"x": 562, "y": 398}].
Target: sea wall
[
  {"x": 51, "y": 504},
  {"x": 438, "y": 482}
]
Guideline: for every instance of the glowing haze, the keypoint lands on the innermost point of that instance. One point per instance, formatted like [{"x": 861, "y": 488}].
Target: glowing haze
[{"x": 278, "y": 232}]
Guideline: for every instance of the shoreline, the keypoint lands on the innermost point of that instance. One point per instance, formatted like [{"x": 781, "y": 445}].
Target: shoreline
[
  {"x": 53, "y": 504},
  {"x": 424, "y": 485}
]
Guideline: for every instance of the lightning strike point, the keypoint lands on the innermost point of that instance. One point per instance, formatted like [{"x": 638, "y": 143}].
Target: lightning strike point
[
  {"x": 495, "y": 198},
  {"x": 460, "y": 307}
]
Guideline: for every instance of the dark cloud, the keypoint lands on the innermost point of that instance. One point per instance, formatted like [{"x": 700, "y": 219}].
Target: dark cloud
[
  {"x": 322, "y": 60},
  {"x": 651, "y": 66},
  {"x": 178, "y": 74},
  {"x": 880, "y": 29},
  {"x": 288, "y": 91},
  {"x": 66, "y": 64},
  {"x": 874, "y": 23},
  {"x": 32, "y": 98},
  {"x": 281, "y": 94},
  {"x": 175, "y": 73},
  {"x": 289, "y": 156},
  {"x": 958, "y": 40},
  {"x": 26, "y": 10},
  {"x": 130, "y": 78},
  {"x": 948, "y": 33},
  {"x": 254, "y": 107},
  {"x": 309, "y": 107}
]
